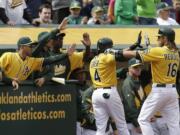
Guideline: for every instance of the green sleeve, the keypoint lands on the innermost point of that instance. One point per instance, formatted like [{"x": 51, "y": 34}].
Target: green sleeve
[{"x": 131, "y": 110}]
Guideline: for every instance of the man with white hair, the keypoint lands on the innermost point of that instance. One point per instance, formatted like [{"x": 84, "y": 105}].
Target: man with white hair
[{"x": 163, "y": 15}]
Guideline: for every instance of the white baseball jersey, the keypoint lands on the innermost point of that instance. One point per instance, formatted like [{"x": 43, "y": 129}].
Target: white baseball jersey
[{"x": 14, "y": 10}]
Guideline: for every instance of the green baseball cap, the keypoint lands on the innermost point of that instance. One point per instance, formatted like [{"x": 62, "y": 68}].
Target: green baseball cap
[
  {"x": 97, "y": 9},
  {"x": 25, "y": 41},
  {"x": 134, "y": 62},
  {"x": 163, "y": 6},
  {"x": 75, "y": 4},
  {"x": 52, "y": 36}
]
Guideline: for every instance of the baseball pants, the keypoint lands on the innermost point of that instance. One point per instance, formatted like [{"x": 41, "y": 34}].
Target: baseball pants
[
  {"x": 132, "y": 130},
  {"x": 165, "y": 101},
  {"x": 160, "y": 127},
  {"x": 88, "y": 132},
  {"x": 108, "y": 107}
]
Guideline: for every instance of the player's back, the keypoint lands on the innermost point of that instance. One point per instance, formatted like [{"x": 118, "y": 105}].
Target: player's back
[
  {"x": 164, "y": 64},
  {"x": 103, "y": 70}
]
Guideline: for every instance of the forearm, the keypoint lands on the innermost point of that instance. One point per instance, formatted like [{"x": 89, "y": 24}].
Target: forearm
[
  {"x": 3, "y": 16},
  {"x": 53, "y": 59},
  {"x": 86, "y": 54}
]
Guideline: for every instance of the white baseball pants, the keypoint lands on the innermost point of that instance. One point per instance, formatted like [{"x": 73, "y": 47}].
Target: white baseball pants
[
  {"x": 105, "y": 108},
  {"x": 164, "y": 100}
]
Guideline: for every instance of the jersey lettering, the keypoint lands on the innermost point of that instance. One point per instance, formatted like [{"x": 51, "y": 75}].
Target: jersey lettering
[{"x": 172, "y": 69}]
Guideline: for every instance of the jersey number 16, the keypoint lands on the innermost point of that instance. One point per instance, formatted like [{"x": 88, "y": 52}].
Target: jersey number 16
[{"x": 172, "y": 69}]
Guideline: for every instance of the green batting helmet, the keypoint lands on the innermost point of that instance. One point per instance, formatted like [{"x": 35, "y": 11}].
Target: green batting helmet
[
  {"x": 168, "y": 32},
  {"x": 104, "y": 43}
]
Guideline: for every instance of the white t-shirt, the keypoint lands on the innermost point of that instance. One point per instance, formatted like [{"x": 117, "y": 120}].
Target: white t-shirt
[
  {"x": 14, "y": 10},
  {"x": 169, "y": 21}
]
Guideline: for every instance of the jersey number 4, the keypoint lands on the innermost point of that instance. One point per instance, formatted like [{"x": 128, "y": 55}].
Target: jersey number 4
[
  {"x": 96, "y": 76},
  {"x": 172, "y": 69}
]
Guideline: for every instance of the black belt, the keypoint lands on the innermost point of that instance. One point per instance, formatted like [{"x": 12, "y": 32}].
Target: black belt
[
  {"x": 164, "y": 85},
  {"x": 158, "y": 116},
  {"x": 106, "y": 87}
]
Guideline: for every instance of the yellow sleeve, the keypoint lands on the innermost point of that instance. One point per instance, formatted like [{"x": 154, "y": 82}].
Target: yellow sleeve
[
  {"x": 151, "y": 54},
  {"x": 109, "y": 58},
  {"x": 37, "y": 63},
  {"x": 5, "y": 60},
  {"x": 76, "y": 60}
]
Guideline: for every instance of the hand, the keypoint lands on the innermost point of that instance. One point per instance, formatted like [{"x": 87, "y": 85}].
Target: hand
[
  {"x": 86, "y": 39},
  {"x": 11, "y": 23},
  {"x": 15, "y": 83},
  {"x": 138, "y": 42},
  {"x": 40, "y": 81},
  {"x": 138, "y": 130},
  {"x": 115, "y": 132},
  {"x": 63, "y": 24},
  {"x": 153, "y": 119},
  {"x": 36, "y": 23},
  {"x": 71, "y": 49},
  {"x": 147, "y": 41},
  {"x": 84, "y": 20}
]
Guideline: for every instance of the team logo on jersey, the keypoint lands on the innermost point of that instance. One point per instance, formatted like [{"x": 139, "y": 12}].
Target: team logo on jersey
[
  {"x": 16, "y": 3},
  {"x": 26, "y": 71},
  {"x": 59, "y": 69}
]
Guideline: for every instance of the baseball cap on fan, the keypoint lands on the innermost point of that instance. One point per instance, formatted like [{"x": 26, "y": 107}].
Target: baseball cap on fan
[
  {"x": 75, "y": 5},
  {"x": 26, "y": 41},
  {"x": 134, "y": 62},
  {"x": 163, "y": 6}
]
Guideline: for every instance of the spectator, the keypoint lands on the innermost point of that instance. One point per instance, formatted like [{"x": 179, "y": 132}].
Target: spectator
[
  {"x": 176, "y": 4},
  {"x": 110, "y": 13},
  {"x": 60, "y": 10},
  {"x": 98, "y": 16},
  {"x": 33, "y": 6},
  {"x": 14, "y": 12},
  {"x": 146, "y": 10},
  {"x": 125, "y": 12},
  {"x": 74, "y": 17},
  {"x": 87, "y": 6},
  {"x": 163, "y": 15},
  {"x": 44, "y": 14}
]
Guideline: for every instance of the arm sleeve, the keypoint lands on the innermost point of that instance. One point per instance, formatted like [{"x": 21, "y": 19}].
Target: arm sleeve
[
  {"x": 119, "y": 56},
  {"x": 27, "y": 15},
  {"x": 3, "y": 16},
  {"x": 76, "y": 60},
  {"x": 86, "y": 54},
  {"x": 43, "y": 41},
  {"x": 53, "y": 59},
  {"x": 150, "y": 55},
  {"x": 129, "y": 99}
]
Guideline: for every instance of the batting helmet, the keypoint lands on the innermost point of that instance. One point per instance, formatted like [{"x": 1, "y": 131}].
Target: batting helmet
[
  {"x": 103, "y": 44},
  {"x": 168, "y": 32}
]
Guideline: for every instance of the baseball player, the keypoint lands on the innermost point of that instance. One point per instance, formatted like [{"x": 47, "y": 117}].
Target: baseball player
[
  {"x": 76, "y": 60},
  {"x": 133, "y": 95},
  {"x": 105, "y": 99},
  {"x": 164, "y": 62},
  {"x": 19, "y": 65}
]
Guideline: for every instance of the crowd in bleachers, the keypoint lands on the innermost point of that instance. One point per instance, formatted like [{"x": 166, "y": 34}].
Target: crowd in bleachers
[{"x": 90, "y": 12}]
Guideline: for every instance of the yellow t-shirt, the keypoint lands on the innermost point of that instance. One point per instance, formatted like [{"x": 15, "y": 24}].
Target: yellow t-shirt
[
  {"x": 164, "y": 64},
  {"x": 14, "y": 67},
  {"x": 103, "y": 70}
]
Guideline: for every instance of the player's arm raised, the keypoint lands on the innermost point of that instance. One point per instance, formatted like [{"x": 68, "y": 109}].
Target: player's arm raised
[
  {"x": 56, "y": 58},
  {"x": 45, "y": 38},
  {"x": 87, "y": 43}
]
